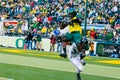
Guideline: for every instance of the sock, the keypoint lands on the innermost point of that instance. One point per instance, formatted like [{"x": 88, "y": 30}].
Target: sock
[
  {"x": 78, "y": 76},
  {"x": 64, "y": 49}
]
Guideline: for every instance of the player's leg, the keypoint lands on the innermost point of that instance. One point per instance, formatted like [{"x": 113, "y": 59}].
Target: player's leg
[
  {"x": 74, "y": 57},
  {"x": 50, "y": 47},
  {"x": 79, "y": 67},
  {"x": 64, "y": 50},
  {"x": 81, "y": 52},
  {"x": 78, "y": 76},
  {"x": 77, "y": 63},
  {"x": 81, "y": 46},
  {"x": 64, "y": 47},
  {"x": 75, "y": 60},
  {"x": 66, "y": 37},
  {"x": 79, "y": 49}
]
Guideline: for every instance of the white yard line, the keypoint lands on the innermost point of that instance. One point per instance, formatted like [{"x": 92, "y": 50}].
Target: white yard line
[
  {"x": 98, "y": 70},
  {"x": 1, "y": 78}
]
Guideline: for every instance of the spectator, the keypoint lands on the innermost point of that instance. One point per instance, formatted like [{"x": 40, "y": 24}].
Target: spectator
[
  {"x": 39, "y": 41},
  {"x": 44, "y": 12},
  {"x": 44, "y": 31},
  {"x": 52, "y": 43},
  {"x": 115, "y": 53},
  {"x": 59, "y": 43},
  {"x": 92, "y": 34},
  {"x": 117, "y": 38},
  {"x": 91, "y": 49},
  {"x": 25, "y": 42},
  {"x": 56, "y": 32},
  {"x": 30, "y": 37},
  {"x": 34, "y": 40}
]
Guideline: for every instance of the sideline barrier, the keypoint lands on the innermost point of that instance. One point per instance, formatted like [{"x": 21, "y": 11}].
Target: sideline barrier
[
  {"x": 101, "y": 48},
  {"x": 106, "y": 49},
  {"x": 10, "y": 41},
  {"x": 18, "y": 42}
]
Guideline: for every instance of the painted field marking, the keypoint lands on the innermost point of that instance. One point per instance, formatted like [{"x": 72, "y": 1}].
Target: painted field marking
[
  {"x": 1, "y": 78},
  {"x": 59, "y": 65}
]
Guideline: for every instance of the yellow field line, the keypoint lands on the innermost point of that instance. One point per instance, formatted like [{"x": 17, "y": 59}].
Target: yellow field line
[{"x": 30, "y": 52}]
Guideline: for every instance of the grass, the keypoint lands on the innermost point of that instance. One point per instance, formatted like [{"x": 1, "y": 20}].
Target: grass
[
  {"x": 18, "y": 72},
  {"x": 31, "y": 73},
  {"x": 55, "y": 56}
]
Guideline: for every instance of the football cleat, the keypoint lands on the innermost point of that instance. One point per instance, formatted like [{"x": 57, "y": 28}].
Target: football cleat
[
  {"x": 63, "y": 55},
  {"x": 83, "y": 62}
]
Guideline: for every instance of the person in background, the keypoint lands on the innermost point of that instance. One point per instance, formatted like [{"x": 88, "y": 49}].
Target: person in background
[
  {"x": 39, "y": 41},
  {"x": 43, "y": 31},
  {"x": 56, "y": 32},
  {"x": 59, "y": 43},
  {"x": 52, "y": 43},
  {"x": 30, "y": 37},
  {"x": 91, "y": 49},
  {"x": 117, "y": 38},
  {"x": 25, "y": 42},
  {"x": 115, "y": 53},
  {"x": 34, "y": 40},
  {"x": 92, "y": 34}
]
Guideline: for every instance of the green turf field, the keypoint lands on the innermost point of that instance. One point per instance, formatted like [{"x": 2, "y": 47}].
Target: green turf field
[{"x": 18, "y": 64}]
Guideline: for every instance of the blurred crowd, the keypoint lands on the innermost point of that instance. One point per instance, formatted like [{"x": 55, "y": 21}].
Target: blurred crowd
[{"x": 45, "y": 15}]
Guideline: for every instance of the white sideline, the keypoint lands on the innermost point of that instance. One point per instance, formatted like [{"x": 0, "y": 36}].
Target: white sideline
[{"x": 1, "y": 78}]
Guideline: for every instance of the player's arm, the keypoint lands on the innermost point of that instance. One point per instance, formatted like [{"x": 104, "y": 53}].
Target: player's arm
[{"x": 63, "y": 25}]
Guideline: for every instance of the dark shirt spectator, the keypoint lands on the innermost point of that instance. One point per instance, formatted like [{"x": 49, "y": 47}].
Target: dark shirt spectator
[
  {"x": 59, "y": 43},
  {"x": 30, "y": 37},
  {"x": 52, "y": 43}
]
